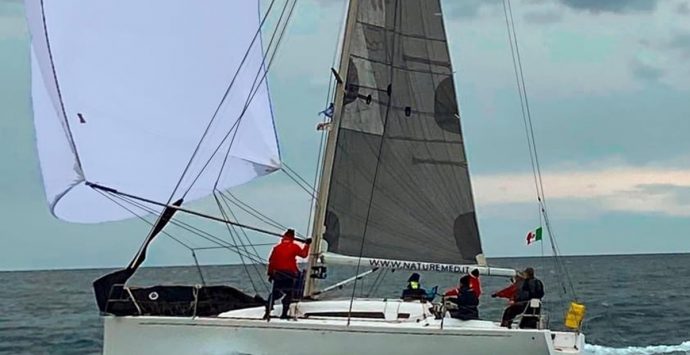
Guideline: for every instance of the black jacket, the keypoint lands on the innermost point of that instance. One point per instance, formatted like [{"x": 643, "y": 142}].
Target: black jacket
[
  {"x": 531, "y": 288},
  {"x": 467, "y": 303}
]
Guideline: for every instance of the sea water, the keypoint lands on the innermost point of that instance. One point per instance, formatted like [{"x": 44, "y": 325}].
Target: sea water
[{"x": 636, "y": 304}]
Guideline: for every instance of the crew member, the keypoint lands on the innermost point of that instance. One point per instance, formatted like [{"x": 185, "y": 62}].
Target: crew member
[
  {"x": 475, "y": 284},
  {"x": 414, "y": 291},
  {"x": 466, "y": 301},
  {"x": 531, "y": 288},
  {"x": 283, "y": 271}
]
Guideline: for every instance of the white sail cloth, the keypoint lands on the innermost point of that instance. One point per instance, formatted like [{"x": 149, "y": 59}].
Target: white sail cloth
[{"x": 123, "y": 91}]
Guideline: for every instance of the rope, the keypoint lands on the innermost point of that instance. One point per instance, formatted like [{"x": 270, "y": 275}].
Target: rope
[
  {"x": 253, "y": 91},
  {"x": 310, "y": 186},
  {"x": 194, "y": 230},
  {"x": 251, "y": 210},
  {"x": 220, "y": 104},
  {"x": 309, "y": 191},
  {"x": 230, "y": 230},
  {"x": 529, "y": 132}
]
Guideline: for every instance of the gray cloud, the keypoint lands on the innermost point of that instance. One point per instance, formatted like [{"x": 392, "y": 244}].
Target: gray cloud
[
  {"x": 680, "y": 194},
  {"x": 467, "y": 8},
  {"x": 614, "y": 6},
  {"x": 681, "y": 43},
  {"x": 646, "y": 72},
  {"x": 683, "y": 8},
  {"x": 543, "y": 17}
]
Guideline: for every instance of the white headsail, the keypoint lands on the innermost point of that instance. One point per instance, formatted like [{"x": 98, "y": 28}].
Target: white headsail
[{"x": 123, "y": 91}]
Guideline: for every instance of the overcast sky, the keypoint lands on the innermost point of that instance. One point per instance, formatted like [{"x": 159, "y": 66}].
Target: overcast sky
[{"x": 608, "y": 84}]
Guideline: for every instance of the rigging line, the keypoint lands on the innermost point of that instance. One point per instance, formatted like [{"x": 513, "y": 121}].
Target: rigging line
[
  {"x": 198, "y": 232},
  {"x": 311, "y": 187},
  {"x": 522, "y": 104},
  {"x": 541, "y": 186},
  {"x": 527, "y": 108},
  {"x": 236, "y": 126},
  {"x": 227, "y": 91},
  {"x": 244, "y": 265},
  {"x": 248, "y": 241},
  {"x": 198, "y": 268},
  {"x": 252, "y": 211},
  {"x": 220, "y": 145},
  {"x": 174, "y": 222},
  {"x": 542, "y": 197},
  {"x": 378, "y": 161},
  {"x": 194, "y": 230},
  {"x": 142, "y": 218},
  {"x": 223, "y": 247},
  {"x": 213, "y": 239},
  {"x": 374, "y": 286},
  {"x": 67, "y": 128},
  {"x": 181, "y": 209},
  {"x": 309, "y": 192},
  {"x": 245, "y": 246}
]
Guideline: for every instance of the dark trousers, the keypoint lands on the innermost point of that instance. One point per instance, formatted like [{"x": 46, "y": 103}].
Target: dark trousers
[
  {"x": 529, "y": 320},
  {"x": 511, "y": 312},
  {"x": 284, "y": 285}
]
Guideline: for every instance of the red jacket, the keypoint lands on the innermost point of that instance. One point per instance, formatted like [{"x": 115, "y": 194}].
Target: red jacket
[
  {"x": 475, "y": 285},
  {"x": 509, "y": 292},
  {"x": 283, "y": 257}
]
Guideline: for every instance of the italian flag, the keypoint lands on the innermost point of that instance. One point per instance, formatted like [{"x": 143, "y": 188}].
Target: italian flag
[{"x": 533, "y": 236}]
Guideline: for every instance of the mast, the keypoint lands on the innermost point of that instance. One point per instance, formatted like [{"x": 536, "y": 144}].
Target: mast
[{"x": 329, "y": 155}]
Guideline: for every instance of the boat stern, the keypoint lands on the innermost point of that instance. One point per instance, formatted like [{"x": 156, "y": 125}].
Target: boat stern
[{"x": 568, "y": 342}]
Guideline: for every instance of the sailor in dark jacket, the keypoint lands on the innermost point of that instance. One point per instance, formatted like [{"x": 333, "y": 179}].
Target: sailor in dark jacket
[
  {"x": 531, "y": 288},
  {"x": 466, "y": 301},
  {"x": 414, "y": 291}
]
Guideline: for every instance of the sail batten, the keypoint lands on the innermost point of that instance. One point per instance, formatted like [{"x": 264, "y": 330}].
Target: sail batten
[
  {"x": 400, "y": 185},
  {"x": 123, "y": 91}
]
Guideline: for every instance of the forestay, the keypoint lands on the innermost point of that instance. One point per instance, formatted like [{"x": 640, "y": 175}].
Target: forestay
[
  {"x": 122, "y": 93},
  {"x": 400, "y": 186}
]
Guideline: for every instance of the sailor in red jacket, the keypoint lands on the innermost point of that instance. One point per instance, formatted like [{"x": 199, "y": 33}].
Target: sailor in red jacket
[
  {"x": 283, "y": 271},
  {"x": 475, "y": 286}
]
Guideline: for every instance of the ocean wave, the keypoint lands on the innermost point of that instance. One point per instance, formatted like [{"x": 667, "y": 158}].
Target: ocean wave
[{"x": 683, "y": 348}]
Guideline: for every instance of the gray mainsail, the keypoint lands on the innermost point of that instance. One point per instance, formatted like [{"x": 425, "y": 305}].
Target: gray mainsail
[{"x": 400, "y": 186}]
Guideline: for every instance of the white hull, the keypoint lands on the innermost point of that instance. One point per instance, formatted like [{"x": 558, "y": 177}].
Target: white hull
[{"x": 243, "y": 332}]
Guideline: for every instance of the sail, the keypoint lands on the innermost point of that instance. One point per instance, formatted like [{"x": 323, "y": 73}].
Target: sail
[
  {"x": 124, "y": 90},
  {"x": 400, "y": 187}
]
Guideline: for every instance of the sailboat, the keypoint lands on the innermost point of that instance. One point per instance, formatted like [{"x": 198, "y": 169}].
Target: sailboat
[{"x": 142, "y": 107}]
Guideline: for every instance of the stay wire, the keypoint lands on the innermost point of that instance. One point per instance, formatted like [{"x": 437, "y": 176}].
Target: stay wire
[
  {"x": 198, "y": 232},
  {"x": 196, "y": 261},
  {"x": 533, "y": 147},
  {"x": 143, "y": 219},
  {"x": 254, "y": 88},
  {"x": 263, "y": 77},
  {"x": 257, "y": 33},
  {"x": 230, "y": 232},
  {"x": 246, "y": 245},
  {"x": 377, "y": 282},
  {"x": 303, "y": 180},
  {"x": 251, "y": 210},
  {"x": 194, "y": 230},
  {"x": 304, "y": 188}
]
